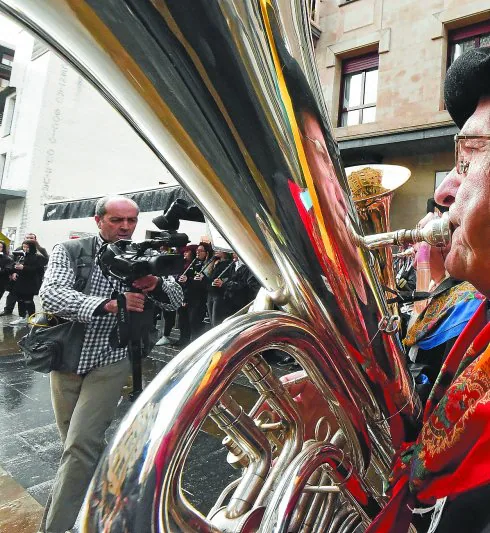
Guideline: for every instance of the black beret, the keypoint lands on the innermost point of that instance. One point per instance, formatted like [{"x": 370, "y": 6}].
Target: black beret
[{"x": 467, "y": 80}]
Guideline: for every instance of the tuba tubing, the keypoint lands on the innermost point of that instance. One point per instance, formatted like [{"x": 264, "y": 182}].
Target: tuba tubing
[
  {"x": 153, "y": 461},
  {"x": 240, "y": 146},
  {"x": 226, "y": 94}
]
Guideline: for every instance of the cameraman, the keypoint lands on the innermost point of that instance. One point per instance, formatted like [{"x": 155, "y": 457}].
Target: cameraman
[{"x": 85, "y": 402}]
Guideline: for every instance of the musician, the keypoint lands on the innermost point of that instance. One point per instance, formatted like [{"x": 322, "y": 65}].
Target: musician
[
  {"x": 241, "y": 287},
  {"x": 217, "y": 305},
  {"x": 185, "y": 280},
  {"x": 168, "y": 317},
  {"x": 450, "y": 456},
  {"x": 198, "y": 289}
]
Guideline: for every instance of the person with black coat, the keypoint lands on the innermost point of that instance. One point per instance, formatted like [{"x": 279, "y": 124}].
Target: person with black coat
[
  {"x": 217, "y": 306},
  {"x": 5, "y": 263},
  {"x": 197, "y": 292},
  {"x": 184, "y": 281},
  {"x": 241, "y": 287},
  {"x": 26, "y": 277},
  {"x": 11, "y": 297}
]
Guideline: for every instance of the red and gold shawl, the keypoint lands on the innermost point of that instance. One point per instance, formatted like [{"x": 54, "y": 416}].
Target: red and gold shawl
[{"x": 450, "y": 455}]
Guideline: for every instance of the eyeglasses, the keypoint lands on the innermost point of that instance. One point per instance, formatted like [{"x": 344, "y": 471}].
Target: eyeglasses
[{"x": 462, "y": 153}]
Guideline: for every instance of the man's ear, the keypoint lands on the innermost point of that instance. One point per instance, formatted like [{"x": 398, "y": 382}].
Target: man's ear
[{"x": 97, "y": 220}]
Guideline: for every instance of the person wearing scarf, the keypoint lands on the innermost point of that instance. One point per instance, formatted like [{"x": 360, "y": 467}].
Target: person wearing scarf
[{"x": 448, "y": 466}]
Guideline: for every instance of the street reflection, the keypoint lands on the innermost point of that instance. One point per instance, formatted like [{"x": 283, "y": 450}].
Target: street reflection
[{"x": 9, "y": 336}]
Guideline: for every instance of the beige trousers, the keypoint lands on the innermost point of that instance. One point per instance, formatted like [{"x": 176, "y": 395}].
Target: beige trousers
[{"x": 84, "y": 407}]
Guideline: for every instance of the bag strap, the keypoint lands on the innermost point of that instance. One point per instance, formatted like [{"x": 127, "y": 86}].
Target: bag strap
[{"x": 82, "y": 257}]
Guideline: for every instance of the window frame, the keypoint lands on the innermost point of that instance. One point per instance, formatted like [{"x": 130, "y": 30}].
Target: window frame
[
  {"x": 440, "y": 173},
  {"x": 8, "y": 115},
  {"x": 3, "y": 166},
  {"x": 360, "y": 64},
  {"x": 458, "y": 35}
]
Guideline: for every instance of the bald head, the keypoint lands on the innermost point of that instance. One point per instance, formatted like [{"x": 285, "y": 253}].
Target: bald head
[
  {"x": 116, "y": 217},
  {"x": 101, "y": 205}
]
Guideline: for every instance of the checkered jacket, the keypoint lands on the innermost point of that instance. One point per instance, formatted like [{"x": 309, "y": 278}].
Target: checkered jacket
[{"x": 59, "y": 297}]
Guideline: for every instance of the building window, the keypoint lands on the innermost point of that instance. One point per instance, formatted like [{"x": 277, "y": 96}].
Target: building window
[
  {"x": 8, "y": 115},
  {"x": 312, "y": 9},
  {"x": 464, "y": 39},
  {"x": 3, "y": 160},
  {"x": 439, "y": 177},
  {"x": 359, "y": 90},
  {"x": 7, "y": 59}
]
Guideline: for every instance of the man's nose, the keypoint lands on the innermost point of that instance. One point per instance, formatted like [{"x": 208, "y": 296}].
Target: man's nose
[{"x": 446, "y": 192}]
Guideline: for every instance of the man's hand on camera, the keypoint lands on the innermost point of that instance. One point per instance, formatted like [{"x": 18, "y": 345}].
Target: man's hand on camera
[
  {"x": 135, "y": 301},
  {"x": 146, "y": 284}
]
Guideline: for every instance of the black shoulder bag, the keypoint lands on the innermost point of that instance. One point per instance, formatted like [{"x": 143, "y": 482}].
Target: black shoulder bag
[{"x": 54, "y": 343}]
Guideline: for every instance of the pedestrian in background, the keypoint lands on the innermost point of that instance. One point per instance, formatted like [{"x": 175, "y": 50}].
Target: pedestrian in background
[
  {"x": 11, "y": 297},
  {"x": 26, "y": 279},
  {"x": 6, "y": 261}
]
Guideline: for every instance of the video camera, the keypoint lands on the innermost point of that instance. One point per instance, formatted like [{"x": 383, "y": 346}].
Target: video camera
[{"x": 128, "y": 261}]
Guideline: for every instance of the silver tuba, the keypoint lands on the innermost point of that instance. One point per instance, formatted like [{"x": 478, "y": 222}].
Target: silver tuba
[{"x": 226, "y": 94}]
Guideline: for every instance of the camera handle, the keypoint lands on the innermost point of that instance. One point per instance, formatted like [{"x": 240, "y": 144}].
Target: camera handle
[{"x": 133, "y": 327}]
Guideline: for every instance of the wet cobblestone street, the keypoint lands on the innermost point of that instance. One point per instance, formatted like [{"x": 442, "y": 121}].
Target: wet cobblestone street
[{"x": 30, "y": 447}]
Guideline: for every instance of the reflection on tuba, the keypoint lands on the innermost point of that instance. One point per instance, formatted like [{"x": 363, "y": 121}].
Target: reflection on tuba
[
  {"x": 372, "y": 190},
  {"x": 226, "y": 93}
]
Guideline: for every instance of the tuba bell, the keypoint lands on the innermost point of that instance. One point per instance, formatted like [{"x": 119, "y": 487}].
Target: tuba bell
[
  {"x": 372, "y": 189},
  {"x": 226, "y": 94}
]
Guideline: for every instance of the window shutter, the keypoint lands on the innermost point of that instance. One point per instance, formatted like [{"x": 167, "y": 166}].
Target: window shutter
[
  {"x": 358, "y": 64},
  {"x": 469, "y": 31}
]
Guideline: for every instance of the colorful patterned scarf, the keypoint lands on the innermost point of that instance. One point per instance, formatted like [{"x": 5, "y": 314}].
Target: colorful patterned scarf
[
  {"x": 450, "y": 455},
  {"x": 445, "y": 316}
]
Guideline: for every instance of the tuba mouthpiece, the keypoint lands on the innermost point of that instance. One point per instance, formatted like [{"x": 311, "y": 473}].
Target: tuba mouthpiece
[{"x": 436, "y": 233}]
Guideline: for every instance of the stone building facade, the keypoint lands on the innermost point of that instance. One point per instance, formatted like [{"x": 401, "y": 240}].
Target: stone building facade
[{"x": 387, "y": 60}]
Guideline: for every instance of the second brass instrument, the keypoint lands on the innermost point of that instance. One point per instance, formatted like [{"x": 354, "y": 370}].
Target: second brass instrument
[{"x": 226, "y": 94}]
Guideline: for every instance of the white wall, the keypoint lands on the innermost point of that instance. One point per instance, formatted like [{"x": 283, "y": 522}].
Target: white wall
[
  {"x": 67, "y": 142},
  {"x": 93, "y": 151}
]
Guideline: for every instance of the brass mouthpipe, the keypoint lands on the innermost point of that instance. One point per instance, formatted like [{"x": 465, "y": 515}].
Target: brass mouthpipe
[{"x": 437, "y": 232}]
